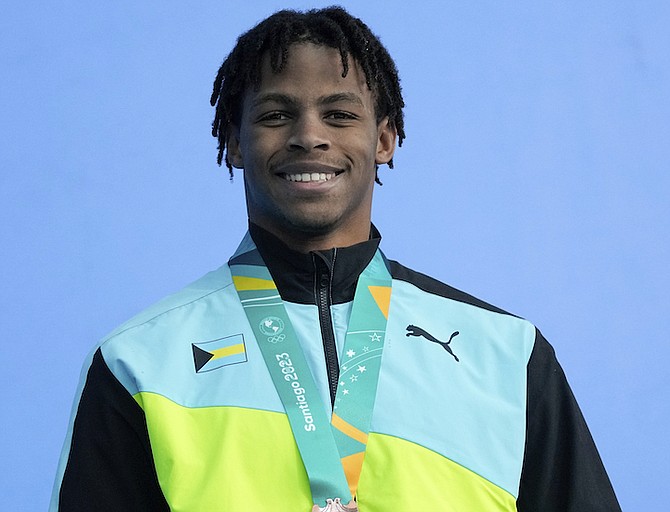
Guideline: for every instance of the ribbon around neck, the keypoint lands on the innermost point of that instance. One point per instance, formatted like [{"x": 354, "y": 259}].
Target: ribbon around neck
[{"x": 332, "y": 451}]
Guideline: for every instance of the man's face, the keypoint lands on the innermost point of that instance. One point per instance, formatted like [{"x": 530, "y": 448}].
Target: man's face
[{"x": 308, "y": 142}]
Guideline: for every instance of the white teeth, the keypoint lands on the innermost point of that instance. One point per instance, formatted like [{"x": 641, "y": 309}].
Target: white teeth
[{"x": 307, "y": 176}]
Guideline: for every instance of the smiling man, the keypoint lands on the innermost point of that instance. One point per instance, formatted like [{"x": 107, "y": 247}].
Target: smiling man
[
  {"x": 308, "y": 152},
  {"x": 310, "y": 372}
]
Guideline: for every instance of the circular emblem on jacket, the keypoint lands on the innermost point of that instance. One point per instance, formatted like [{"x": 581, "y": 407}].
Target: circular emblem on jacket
[{"x": 271, "y": 326}]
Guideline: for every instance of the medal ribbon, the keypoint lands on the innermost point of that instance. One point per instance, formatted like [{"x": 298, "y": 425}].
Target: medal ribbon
[{"x": 332, "y": 454}]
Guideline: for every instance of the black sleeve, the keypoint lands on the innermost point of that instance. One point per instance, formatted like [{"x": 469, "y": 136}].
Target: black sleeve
[
  {"x": 110, "y": 466},
  {"x": 562, "y": 471}
]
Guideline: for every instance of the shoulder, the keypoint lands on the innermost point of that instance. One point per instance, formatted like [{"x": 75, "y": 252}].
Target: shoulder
[
  {"x": 161, "y": 336},
  {"x": 166, "y": 310},
  {"x": 155, "y": 347},
  {"x": 433, "y": 286},
  {"x": 436, "y": 307}
]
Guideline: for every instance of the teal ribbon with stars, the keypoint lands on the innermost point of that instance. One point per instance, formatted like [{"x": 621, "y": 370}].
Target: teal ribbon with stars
[{"x": 332, "y": 454}]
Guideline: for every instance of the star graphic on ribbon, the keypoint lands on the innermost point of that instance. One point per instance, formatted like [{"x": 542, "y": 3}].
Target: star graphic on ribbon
[
  {"x": 351, "y": 353},
  {"x": 375, "y": 337},
  {"x": 361, "y": 368}
]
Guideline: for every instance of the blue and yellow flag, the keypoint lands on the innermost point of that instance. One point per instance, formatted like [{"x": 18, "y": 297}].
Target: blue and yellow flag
[{"x": 210, "y": 355}]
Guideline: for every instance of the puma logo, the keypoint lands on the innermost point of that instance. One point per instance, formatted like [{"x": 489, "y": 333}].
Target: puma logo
[{"x": 413, "y": 330}]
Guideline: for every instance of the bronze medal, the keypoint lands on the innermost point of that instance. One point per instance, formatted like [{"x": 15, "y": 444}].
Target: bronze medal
[{"x": 336, "y": 505}]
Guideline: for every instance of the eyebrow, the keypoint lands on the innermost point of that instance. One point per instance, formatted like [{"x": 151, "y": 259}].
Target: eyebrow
[
  {"x": 347, "y": 97},
  {"x": 272, "y": 97},
  {"x": 285, "y": 99}
]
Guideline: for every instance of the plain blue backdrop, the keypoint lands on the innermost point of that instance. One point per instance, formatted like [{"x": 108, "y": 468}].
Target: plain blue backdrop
[{"x": 535, "y": 175}]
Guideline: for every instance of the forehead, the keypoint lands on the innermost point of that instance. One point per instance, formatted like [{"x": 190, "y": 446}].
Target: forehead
[{"x": 310, "y": 69}]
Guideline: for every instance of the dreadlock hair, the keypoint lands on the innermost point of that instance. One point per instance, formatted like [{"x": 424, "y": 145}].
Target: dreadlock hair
[{"x": 333, "y": 27}]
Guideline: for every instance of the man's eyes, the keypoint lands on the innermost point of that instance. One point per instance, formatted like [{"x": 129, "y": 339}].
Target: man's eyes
[
  {"x": 278, "y": 117},
  {"x": 341, "y": 115},
  {"x": 275, "y": 116}
]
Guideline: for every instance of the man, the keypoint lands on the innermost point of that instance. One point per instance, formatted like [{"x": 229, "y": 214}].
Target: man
[{"x": 310, "y": 372}]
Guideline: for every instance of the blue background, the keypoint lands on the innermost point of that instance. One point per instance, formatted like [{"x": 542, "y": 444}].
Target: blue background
[{"x": 535, "y": 175}]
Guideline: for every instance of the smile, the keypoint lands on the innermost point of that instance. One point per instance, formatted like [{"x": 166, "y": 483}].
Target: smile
[{"x": 308, "y": 176}]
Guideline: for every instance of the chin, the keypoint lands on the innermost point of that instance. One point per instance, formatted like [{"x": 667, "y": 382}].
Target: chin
[
  {"x": 314, "y": 221},
  {"x": 312, "y": 225}
]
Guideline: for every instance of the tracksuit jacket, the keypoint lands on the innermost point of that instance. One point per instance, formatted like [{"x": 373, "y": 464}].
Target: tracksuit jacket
[{"x": 177, "y": 411}]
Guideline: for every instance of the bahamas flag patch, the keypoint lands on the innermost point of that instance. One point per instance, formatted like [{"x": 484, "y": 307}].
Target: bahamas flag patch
[{"x": 211, "y": 355}]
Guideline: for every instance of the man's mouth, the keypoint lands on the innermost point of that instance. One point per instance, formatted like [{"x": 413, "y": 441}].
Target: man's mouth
[
  {"x": 307, "y": 172},
  {"x": 308, "y": 176}
]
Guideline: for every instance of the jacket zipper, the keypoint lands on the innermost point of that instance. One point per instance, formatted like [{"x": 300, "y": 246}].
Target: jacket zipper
[{"x": 323, "y": 280}]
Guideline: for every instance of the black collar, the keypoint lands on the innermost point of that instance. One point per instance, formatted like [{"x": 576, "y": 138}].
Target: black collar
[{"x": 295, "y": 273}]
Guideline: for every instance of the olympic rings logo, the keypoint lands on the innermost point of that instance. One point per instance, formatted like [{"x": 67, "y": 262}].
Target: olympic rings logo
[{"x": 277, "y": 339}]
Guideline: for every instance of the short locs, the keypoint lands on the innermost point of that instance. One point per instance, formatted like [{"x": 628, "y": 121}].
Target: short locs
[{"x": 333, "y": 27}]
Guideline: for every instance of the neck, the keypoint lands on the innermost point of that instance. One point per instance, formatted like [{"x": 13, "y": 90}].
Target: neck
[
  {"x": 307, "y": 242},
  {"x": 294, "y": 272}
]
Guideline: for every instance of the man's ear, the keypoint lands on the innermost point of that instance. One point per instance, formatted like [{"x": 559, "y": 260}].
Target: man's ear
[
  {"x": 386, "y": 137},
  {"x": 233, "y": 153}
]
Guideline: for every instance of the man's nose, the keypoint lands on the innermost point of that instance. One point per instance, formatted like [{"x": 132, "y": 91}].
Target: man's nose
[{"x": 308, "y": 133}]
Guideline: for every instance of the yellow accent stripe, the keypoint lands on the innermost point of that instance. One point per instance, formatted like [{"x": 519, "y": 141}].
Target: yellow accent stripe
[
  {"x": 382, "y": 296},
  {"x": 349, "y": 430},
  {"x": 253, "y": 283},
  {"x": 205, "y": 472},
  {"x": 389, "y": 462},
  {"x": 352, "y": 465},
  {"x": 217, "y": 458},
  {"x": 228, "y": 351}
]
